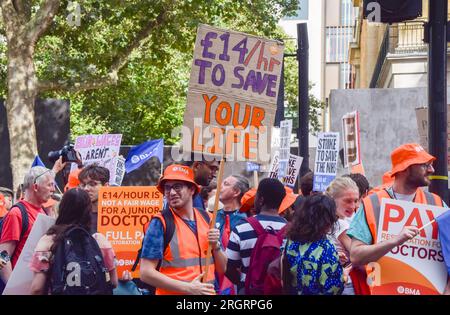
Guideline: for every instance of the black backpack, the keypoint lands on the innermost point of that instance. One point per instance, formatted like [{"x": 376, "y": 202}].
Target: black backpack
[{"x": 77, "y": 267}]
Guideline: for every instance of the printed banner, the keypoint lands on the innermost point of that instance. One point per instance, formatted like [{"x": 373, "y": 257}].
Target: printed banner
[
  {"x": 100, "y": 149},
  {"x": 232, "y": 94},
  {"x": 350, "y": 133},
  {"x": 122, "y": 215},
  {"x": 252, "y": 167},
  {"x": 285, "y": 147},
  {"x": 19, "y": 282},
  {"x": 120, "y": 171},
  {"x": 327, "y": 156},
  {"x": 295, "y": 162},
  {"x": 416, "y": 267}
]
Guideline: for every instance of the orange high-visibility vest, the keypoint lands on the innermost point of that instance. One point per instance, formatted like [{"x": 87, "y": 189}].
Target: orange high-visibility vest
[
  {"x": 185, "y": 256},
  {"x": 372, "y": 207}
]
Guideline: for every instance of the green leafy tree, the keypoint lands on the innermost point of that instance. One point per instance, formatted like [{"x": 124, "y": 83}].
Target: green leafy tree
[{"x": 98, "y": 53}]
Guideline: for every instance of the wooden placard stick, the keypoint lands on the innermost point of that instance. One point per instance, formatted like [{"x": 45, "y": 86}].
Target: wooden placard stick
[{"x": 212, "y": 224}]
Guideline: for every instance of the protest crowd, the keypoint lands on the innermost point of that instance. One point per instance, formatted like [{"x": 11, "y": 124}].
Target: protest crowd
[
  {"x": 197, "y": 232},
  {"x": 266, "y": 240}
]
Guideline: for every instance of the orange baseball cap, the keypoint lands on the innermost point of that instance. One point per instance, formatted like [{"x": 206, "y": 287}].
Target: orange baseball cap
[
  {"x": 177, "y": 172},
  {"x": 288, "y": 200},
  {"x": 409, "y": 154},
  {"x": 248, "y": 200}
]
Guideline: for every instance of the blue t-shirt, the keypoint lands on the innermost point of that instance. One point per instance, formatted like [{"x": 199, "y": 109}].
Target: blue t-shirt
[
  {"x": 198, "y": 202},
  {"x": 235, "y": 218},
  {"x": 153, "y": 245}
]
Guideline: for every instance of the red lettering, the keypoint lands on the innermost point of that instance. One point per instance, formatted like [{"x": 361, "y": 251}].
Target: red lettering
[
  {"x": 390, "y": 208},
  {"x": 434, "y": 225},
  {"x": 415, "y": 216}
]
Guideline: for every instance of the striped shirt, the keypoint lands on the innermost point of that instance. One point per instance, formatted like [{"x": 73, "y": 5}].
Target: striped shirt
[{"x": 243, "y": 239}]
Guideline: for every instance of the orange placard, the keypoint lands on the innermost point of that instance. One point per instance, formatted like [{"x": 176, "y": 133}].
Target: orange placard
[{"x": 122, "y": 215}]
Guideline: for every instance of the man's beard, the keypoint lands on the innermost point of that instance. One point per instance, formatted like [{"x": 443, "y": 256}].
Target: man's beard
[{"x": 202, "y": 181}]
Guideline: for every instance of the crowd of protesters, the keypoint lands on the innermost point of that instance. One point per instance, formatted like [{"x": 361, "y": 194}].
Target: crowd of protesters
[{"x": 326, "y": 239}]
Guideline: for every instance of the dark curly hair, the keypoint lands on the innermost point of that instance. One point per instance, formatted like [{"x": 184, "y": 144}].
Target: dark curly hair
[{"x": 313, "y": 220}]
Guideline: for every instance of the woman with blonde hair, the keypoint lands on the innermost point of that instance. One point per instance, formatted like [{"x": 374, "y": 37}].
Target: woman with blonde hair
[{"x": 345, "y": 193}]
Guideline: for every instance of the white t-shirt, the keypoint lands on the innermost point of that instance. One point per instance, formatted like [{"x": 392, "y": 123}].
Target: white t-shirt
[
  {"x": 341, "y": 226},
  {"x": 402, "y": 197}
]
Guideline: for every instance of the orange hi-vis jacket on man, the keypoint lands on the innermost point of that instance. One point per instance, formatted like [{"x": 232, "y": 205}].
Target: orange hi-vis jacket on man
[
  {"x": 372, "y": 206},
  {"x": 185, "y": 256},
  {"x": 372, "y": 213}
]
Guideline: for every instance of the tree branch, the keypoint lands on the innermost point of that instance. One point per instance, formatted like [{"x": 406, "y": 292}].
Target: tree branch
[
  {"x": 23, "y": 8},
  {"x": 118, "y": 63},
  {"x": 10, "y": 19},
  {"x": 42, "y": 20},
  {"x": 67, "y": 86}
]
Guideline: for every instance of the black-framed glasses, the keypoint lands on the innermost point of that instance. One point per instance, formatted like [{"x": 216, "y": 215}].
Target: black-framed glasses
[
  {"x": 178, "y": 187},
  {"x": 426, "y": 166}
]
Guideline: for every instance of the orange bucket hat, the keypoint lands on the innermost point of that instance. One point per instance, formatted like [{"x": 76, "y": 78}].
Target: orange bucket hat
[
  {"x": 288, "y": 200},
  {"x": 387, "y": 178},
  {"x": 408, "y": 154},
  {"x": 248, "y": 200},
  {"x": 177, "y": 172}
]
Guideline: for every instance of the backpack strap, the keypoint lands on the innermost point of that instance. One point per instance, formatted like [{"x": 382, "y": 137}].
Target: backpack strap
[
  {"x": 169, "y": 220},
  {"x": 169, "y": 231},
  {"x": 281, "y": 233},
  {"x": 259, "y": 229},
  {"x": 170, "y": 226},
  {"x": 25, "y": 219}
]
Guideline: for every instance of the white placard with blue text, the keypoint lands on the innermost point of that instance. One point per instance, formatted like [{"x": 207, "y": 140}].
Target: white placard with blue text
[{"x": 327, "y": 156}]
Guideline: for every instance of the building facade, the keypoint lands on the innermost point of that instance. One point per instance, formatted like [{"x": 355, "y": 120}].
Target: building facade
[{"x": 389, "y": 56}]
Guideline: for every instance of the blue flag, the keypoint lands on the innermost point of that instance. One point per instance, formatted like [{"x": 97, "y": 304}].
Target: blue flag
[
  {"x": 443, "y": 222},
  {"x": 143, "y": 152},
  {"x": 37, "y": 162}
]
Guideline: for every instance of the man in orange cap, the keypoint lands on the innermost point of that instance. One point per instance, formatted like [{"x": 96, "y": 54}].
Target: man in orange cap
[
  {"x": 411, "y": 166},
  {"x": 286, "y": 208},
  {"x": 175, "y": 264},
  {"x": 8, "y": 196},
  {"x": 248, "y": 202}
]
